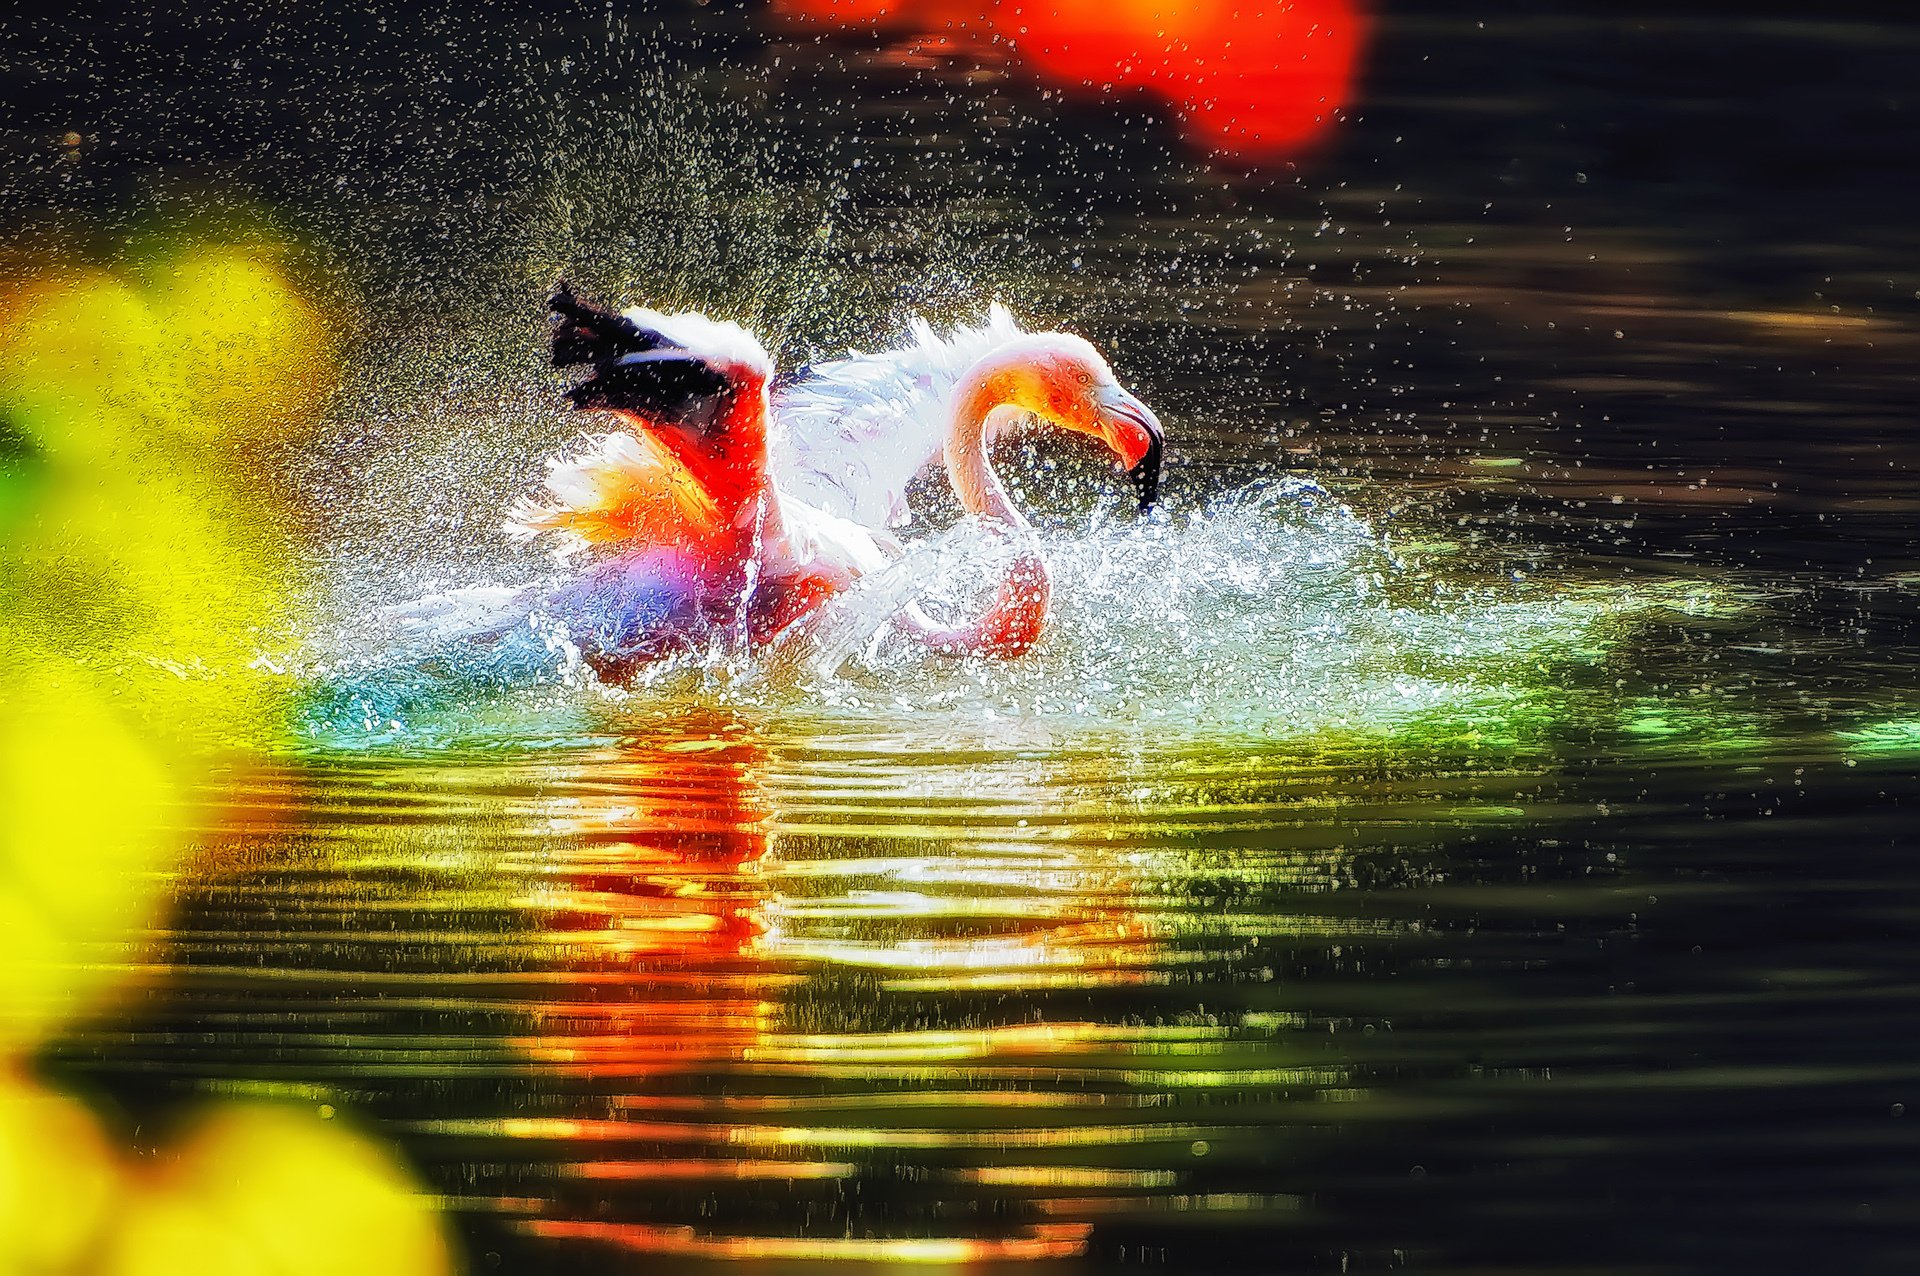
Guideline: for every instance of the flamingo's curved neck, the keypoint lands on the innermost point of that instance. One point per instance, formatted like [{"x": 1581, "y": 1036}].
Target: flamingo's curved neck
[
  {"x": 1014, "y": 620},
  {"x": 989, "y": 386}
]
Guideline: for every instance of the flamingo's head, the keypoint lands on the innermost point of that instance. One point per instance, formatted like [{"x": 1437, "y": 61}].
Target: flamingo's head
[{"x": 1063, "y": 379}]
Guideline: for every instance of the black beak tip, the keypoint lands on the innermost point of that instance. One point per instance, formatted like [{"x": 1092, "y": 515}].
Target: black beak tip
[{"x": 1146, "y": 475}]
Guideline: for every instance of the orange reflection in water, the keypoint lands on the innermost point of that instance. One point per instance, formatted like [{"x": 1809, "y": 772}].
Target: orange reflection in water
[
  {"x": 1042, "y": 1241},
  {"x": 1254, "y": 80},
  {"x": 649, "y": 883},
  {"x": 712, "y": 1009}
]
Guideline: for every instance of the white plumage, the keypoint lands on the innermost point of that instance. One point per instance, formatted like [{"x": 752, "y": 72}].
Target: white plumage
[
  {"x": 817, "y": 539},
  {"x": 850, "y": 435},
  {"x": 726, "y": 346}
]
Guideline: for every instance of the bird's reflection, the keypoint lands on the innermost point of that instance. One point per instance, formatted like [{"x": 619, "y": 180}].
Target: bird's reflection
[
  {"x": 645, "y": 868},
  {"x": 731, "y": 990},
  {"x": 728, "y": 970}
]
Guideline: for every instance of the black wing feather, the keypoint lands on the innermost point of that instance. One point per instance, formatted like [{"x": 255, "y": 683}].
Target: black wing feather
[
  {"x": 651, "y": 383},
  {"x": 584, "y": 333},
  {"x": 635, "y": 369}
]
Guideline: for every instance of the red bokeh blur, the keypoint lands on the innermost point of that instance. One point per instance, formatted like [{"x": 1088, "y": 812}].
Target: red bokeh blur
[{"x": 1255, "y": 80}]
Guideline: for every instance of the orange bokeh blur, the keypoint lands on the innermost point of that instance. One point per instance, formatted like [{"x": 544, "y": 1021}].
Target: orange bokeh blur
[
  {"x": 849, "y": 11},
  {"x": 1253, "y": 80}
]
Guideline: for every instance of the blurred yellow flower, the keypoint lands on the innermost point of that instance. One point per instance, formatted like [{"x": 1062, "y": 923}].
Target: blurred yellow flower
[
  {"x": 141, "y": 555},
  {"x": 256, "y": 1188},
  {"x": 88, "y": 829},
  {"x": 59, "y": 1180}
]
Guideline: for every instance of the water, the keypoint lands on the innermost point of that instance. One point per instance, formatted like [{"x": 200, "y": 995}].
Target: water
[
  {"x": 738, "y": 988},
  {"x": 1495, "y": 859}
]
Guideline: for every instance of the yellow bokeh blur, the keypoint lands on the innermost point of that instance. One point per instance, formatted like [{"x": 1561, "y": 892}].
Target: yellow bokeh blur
[
  {"x": 154, "y": 590},
  {"x": 257, "y": 1188},
  {"x": 76, "y": 364},
  {"x": 251, "y": 356},
  {"x": 210, "y": 343},
  {"x": 144, "y": 559},
  {"x": 88, "y": 832},
  {"x": 145, "y": 555},
  {"x": 59, "y": 1180},
  {"x": 167, "y": 1235}
]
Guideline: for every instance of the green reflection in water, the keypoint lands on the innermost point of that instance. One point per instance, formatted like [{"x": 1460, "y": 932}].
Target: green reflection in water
[
  {"x": 1893, "y": 737},
  {"x": 1702, "y": 723}
]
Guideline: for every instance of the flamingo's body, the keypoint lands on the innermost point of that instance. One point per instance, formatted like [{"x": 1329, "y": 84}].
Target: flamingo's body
[{"x": 734, "y": 506}]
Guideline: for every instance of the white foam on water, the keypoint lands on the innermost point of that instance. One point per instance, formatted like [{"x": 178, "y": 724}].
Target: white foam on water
[{"x": 1273, "y": 611}]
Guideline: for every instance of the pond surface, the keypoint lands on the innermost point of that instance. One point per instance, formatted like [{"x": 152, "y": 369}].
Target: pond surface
[
  {"x": 1496, "y": 859},
  {"x": 719, "y": 991}
]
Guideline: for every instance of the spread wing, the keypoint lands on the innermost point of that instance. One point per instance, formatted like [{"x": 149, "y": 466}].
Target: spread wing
[
  {"x": 656, "y": 371},
  {"x": 621, "y": 489},
  {"x": 655, "y": 368},
  {"x": 849, "y": 435}
]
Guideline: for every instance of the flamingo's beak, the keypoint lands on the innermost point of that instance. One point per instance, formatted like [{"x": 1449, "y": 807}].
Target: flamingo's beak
[{"x": 1131, "y": 429}]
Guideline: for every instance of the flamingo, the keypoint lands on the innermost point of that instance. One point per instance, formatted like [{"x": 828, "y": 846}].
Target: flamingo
[
  {"x": 738, "y": 503},
  {"x": 852, "y": 433}
]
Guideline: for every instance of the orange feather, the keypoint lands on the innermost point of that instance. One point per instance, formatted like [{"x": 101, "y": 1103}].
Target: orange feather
[{"x": 626, "y": 488}]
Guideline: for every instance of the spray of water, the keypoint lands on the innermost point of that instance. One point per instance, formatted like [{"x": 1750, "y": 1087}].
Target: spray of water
[{"x": 1272, "y": 611}]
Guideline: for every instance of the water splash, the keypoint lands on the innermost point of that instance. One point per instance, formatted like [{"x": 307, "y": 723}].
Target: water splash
[{"x": 1273, "y": 611}]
